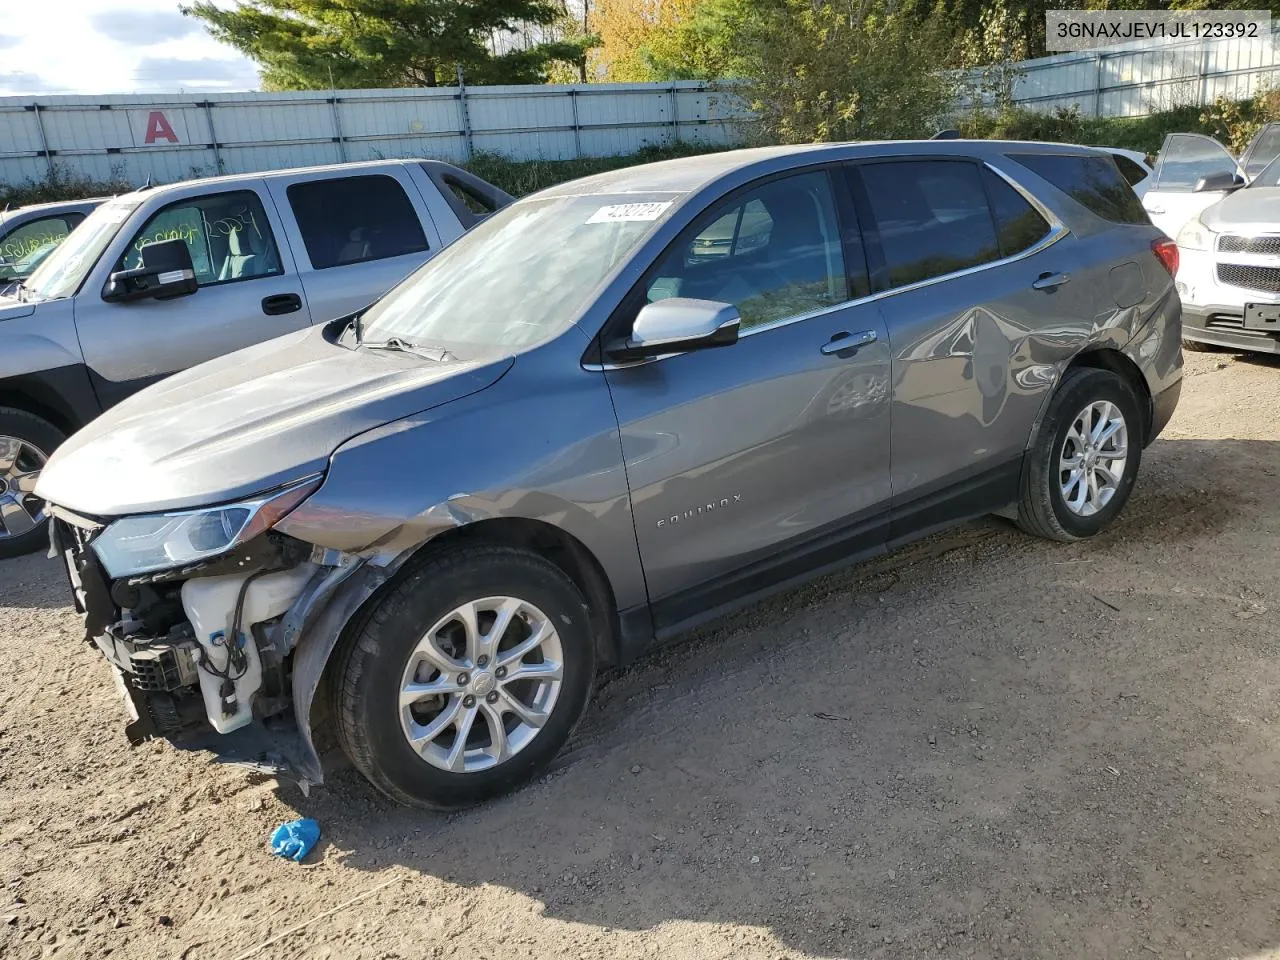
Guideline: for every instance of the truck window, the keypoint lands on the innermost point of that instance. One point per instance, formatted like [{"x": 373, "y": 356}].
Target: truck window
[
  {"x": 354, "y": 219},
  {"x": 22, "y": 249},
  {"x": 227, "y": 233}
]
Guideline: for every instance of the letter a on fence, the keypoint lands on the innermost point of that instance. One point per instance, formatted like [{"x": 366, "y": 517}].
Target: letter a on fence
[{"x": 158, "y": 128}]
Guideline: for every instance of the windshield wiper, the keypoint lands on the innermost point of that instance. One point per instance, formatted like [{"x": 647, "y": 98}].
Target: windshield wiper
[{"x": 404, "y": 346}]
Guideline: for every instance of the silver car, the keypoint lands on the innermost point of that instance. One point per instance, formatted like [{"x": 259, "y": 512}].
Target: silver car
[{"x": 574, "y": 434}]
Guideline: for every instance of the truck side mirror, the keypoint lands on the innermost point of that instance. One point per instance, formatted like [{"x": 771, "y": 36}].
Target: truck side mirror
[{"x": 166, "y": 272}]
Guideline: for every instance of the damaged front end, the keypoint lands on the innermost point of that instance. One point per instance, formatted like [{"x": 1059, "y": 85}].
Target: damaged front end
[{"x": 224, "y": 649}]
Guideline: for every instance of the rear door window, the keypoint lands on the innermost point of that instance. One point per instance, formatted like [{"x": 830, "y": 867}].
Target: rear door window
[
  {"x": 227, "y": 234},
  {"x": 347, "y": 220},
  {"x": 1092, "y": 181},
  {"x": 1018, "y": 224},
  {"x": 931, "y": 217}
]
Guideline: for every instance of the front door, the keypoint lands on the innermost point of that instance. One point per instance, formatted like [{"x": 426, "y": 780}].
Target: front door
[
  {"x": 1184, "y": 158},
  {"x": 751, "y": 463},
  {"x": 249, "y": 292}
]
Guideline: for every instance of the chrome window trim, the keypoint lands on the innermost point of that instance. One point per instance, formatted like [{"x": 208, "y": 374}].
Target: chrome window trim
[{"x": 1057, "y": 230}]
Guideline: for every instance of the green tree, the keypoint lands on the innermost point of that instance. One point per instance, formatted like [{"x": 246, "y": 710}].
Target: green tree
[
  {"x": 312, "y": 44},
  {"x": 824, "y": 70}
]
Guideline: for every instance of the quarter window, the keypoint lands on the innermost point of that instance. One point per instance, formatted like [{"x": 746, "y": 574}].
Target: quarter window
[
  {"x": 1094, "y": 182},
  {"x": 1018, "y": 224},
  {"x": 227, "y": 235},
  {"x": 1132, "y": 172},
  {"x": 354, "y": 219},
  {"x": 931, "y": 216},
  {"x": 773, "y": 253}
]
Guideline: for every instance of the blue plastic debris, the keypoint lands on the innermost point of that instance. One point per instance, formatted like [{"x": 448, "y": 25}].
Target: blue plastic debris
[{"x": 295, "y": 839}]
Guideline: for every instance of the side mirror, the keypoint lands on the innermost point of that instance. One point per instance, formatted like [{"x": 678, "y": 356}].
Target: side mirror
[
  {"x": 675, "y": 325},
  {"x": 1222, "y": 180},
  {"x": 166, "y": 272}
]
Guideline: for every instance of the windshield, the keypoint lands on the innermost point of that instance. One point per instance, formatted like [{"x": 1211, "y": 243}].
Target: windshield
[
  {"x": 520, "y": 277},
  {"x": 62, "y": 271}
]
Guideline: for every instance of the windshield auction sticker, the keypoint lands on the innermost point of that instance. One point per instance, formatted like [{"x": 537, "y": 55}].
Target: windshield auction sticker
[
  {"x": 1067, "y": 30},
  {"x": 630, "y": 211}
]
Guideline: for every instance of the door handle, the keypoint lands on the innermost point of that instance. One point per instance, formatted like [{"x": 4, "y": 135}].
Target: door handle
[
  {"x": 844, "y": 344},
  {"x": 1050, "y": 281},
  {"x": 281, "y": 303},
  {"x": 1156, "y": 210}
]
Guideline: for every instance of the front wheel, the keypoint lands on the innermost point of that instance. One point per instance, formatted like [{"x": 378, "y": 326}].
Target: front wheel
[
  {"x": 25, "y": 444},
  {"x": 467, "y": 678},
  {"x": 1197, "y": 346},
  {"x": 1082, "y": 467}
]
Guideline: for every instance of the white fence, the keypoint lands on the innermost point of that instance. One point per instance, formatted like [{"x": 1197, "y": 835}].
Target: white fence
[
  {"x": 1139, "y": 78},
  {"x": 179, "y": 136}
]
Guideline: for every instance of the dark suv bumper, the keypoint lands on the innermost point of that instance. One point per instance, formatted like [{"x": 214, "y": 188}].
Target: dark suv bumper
[{"x": 1222, "y": 326}]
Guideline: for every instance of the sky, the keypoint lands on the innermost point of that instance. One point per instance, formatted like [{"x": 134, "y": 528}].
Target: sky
[{"x": 112, "y": 46}]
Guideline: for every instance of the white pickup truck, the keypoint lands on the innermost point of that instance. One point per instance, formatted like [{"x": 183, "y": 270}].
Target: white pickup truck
[{"x": 158, "y": 280}]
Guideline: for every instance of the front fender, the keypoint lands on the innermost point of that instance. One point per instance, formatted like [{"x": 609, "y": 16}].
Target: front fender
[{"x": 314, "y": 626}]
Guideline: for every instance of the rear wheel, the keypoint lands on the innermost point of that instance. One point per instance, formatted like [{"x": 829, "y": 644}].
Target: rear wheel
[
  {"x": 467, "y": 678},
  {"x": 26, "y": 441},
  {"x": 1082, "y": 467}
]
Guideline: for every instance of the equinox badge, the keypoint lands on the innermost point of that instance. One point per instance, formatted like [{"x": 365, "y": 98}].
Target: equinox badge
[{"x": 692, "y": 512}]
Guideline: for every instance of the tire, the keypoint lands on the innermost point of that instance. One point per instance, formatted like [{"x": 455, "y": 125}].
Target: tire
[
  {"x": 26, "y": 441},
  {"x": 1195, "y": 346},
  {"x": 374, "y": 666},
  {"x": 1043, "y": 508}
]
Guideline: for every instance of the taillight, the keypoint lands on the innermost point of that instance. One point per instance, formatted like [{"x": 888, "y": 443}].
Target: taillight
[{"x": 1167, "y": 253}]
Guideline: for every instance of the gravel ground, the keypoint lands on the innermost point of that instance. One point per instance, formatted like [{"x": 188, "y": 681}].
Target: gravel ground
[{"x": 983, "y": 745}]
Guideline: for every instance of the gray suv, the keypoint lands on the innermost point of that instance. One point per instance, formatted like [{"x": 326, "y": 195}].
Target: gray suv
[{"x": 611, "y": 411}]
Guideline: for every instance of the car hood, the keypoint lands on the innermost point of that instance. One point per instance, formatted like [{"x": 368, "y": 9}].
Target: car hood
[
  {"x": 246, "y": 422},
  {"x": 1255, "y": 207}
]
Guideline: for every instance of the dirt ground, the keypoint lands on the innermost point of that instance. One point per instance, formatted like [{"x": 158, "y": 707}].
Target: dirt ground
[{"x": 980, "y": 746}]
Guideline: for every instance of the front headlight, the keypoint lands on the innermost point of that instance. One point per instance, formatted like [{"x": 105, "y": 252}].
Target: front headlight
[
  {"x": 1194, "y": 235},
  {"x": 158, "y": 541}
]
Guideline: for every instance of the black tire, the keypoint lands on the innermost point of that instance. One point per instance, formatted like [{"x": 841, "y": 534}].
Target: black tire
[
  {"x": 1042, "y": 508},
  {"x": 372, "y": 663},
  {"x": 1195, "y": 346},
  {"x": 45, "y": 438}
]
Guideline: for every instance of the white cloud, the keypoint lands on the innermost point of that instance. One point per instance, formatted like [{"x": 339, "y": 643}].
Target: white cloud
[{"x": 114, "y": 46}]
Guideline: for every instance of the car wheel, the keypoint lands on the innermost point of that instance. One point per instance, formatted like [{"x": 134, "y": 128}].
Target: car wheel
[
  {"x": 1195, "y": 346},
  {"x": 25, "y": 444},
  {"x": 466, "y": 678},
  {"x": 1082, "y": 467}
]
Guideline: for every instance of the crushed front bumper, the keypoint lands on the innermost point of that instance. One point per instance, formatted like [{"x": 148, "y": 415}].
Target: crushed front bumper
[{"x": 158, "y": 665}]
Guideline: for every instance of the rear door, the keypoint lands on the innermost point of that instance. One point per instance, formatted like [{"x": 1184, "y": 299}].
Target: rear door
[
  {"x": 249, "y": 291},
  {"x": 1184, "y": 159},
  {"x": 975, "y": 285},
  {"x": 355, "y": 234}
]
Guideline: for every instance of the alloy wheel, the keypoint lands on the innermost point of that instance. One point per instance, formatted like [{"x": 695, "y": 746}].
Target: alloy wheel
[
  {"x": 480, "y": 684},
  {"x": 20, "y": 466},
  {"x": 1092, "y": 462}
]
